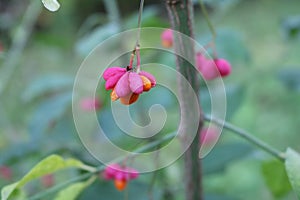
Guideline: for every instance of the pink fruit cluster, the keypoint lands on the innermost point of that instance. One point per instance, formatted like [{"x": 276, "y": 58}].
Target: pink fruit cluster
[
  {"x": 127, "y": 84},
  {"x": 121, "y": 175},
  {"x": 212, "y": 68}
]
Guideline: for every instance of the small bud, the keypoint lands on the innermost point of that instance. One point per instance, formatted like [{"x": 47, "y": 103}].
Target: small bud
[
  {"x": 5, "y": 173},
  {"x": 48, "y": 180},
  {"x": 167, "y": 38}
]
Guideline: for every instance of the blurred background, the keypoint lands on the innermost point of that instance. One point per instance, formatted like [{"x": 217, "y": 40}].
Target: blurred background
[{"x": 41, "y": 51}]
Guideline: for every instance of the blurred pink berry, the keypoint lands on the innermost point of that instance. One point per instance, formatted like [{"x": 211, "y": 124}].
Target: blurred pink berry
[
  {"x": 207, "y": 67},
  {"x": 120, "y": 175},
  {"x": 223, "y": 66},
  {"x": 89, "y": 104},
  {"x": 167, "y": 38},
  {"x": 5, "y": 173},
  {"x": 127, "y": 84},
  {"x": 116, "y": 171},
  {"x": 110, "y": 171},
  {"x": 48, "y": 180},
  {"x": 208, "y": 135},
  {"x": 212, "y": 69}
]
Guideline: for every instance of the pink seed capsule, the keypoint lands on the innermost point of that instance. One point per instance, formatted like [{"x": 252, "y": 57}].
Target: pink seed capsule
[{"x": 223, "y": 66}]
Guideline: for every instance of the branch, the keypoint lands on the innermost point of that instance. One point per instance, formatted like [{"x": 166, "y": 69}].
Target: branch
[
  {"x": 100, "y": 168},
  {"x": 244, "y": 134},
  {"x": 180, "y": 14}
]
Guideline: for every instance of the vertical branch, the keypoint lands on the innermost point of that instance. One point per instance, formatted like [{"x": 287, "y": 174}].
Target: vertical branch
[{"x": 181, "y": 13}]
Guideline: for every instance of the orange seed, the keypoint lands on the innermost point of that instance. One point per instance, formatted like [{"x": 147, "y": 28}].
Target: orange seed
[
  {"x": 146, "y": 83},
  {"x": 120, "y": 184},
  {"x": 166, "y": 43},
  {"x": 130, "y": 99},
  {"x": 113, "y": 95}
]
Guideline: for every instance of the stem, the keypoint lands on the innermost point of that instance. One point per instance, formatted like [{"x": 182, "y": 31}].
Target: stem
[
  {"x": 131, "y": 59},
  {"x": 244, "y": 134},
  {"x": 138, "y": 59},
  {"x": 58, "y": 187},
  {"x": 153, "y": 144},
  {"x": 114, "y": 17},
  {"x": 100, "y": 168},
  {"x": 136, "y": 49},
  {"x": 139, "y": 23},
  {"x": 180, "y": 14},
  {"x": 19, "y": 41},
  {"x": 154, "y": 177},
  {"x": 205, "y": 14}
]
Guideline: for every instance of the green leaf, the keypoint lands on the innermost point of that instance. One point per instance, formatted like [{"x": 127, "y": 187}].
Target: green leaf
[
  {"x": 290, "y": 78},
  {"x": 47, "y": 84},
  {"x": 49, "y": 165},
  {"x": 276, "y": 178},
  {"x": 292, "y": 166},
  {"x": 74, "y": 190},
  {"x": 51, "y": 5},
  {"x": 19, "y": 195},
  {"x": 222, "y": 155}
]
